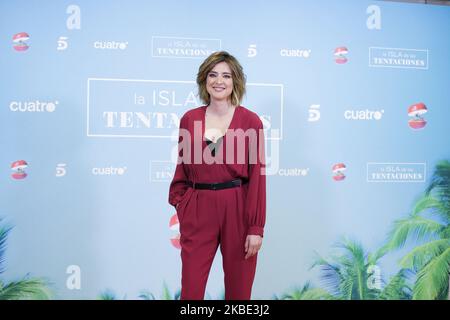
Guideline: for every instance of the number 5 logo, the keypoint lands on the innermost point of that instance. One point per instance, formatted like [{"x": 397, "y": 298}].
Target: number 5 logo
[
  {"x": 61, "y": 170},
  {"x": 252, "y": 51}
]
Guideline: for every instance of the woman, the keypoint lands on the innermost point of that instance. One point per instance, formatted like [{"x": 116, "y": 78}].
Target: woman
[{"x": 219, "y": 190}]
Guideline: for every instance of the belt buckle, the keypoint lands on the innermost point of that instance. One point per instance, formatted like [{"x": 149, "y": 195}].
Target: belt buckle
[
  {"x": 214, "y": 186},
  {"x": 193, "y": 185}
]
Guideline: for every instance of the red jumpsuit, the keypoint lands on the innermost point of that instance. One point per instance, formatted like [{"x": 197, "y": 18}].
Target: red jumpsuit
[{"x": 209, "y": 218}]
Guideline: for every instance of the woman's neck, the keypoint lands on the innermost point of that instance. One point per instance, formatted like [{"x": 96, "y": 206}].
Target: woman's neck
[{"x": 220, "y": 107}]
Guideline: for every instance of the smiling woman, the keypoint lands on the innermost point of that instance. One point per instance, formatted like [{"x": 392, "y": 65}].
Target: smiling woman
[
  {"x": 216, "y": 66},
  {"x": 220, "y": 203}
]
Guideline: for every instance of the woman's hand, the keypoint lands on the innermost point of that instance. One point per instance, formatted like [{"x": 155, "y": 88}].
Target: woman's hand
[{"x": 252, "y": 245}]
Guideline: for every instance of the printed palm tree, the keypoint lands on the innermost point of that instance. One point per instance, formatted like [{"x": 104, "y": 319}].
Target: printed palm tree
[
  {"x": 109, "y": 294},
  {"x": 398, "y": 287},
  {"x": 27, "y": 288},
  {"x": 348, "y": 275},
  {"x": 166, "y": 295},
  {"x": 431, "y": 259},
  {"x": 306, "y": 292}
]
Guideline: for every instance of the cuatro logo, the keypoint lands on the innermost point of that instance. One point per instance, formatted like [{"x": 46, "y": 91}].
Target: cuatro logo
[
  {"x": 18, "y": 168},
  {"x": 174, "y": 225},
  {"x": 19, "y": 40},
  {"x": 338, "y": 172},
  {"x": 340, "y": 55},
  {"x": 417, "y": 111}
]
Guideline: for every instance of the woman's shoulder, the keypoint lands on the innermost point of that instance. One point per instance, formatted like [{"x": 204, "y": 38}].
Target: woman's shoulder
[
  {"x": 193, "y": 113},
  {"x": 251, "y": 116}
]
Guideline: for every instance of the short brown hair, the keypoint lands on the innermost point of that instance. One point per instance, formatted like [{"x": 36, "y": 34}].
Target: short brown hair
[{"x": 237, "y": 74}]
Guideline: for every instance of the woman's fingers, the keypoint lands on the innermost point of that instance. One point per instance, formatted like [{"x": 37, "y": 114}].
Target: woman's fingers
[
  {"x": 252, "y": 245},
  {"x": 252, "y": 249}
]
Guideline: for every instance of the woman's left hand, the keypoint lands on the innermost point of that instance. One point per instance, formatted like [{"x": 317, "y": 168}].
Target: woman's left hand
[{"x": 252, "y": 245}]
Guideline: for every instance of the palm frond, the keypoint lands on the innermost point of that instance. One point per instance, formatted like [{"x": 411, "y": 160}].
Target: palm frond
[
  {"x": 147, "y": 295},
  {"x": 353, "y": 261},
  {"x": 372, "y": 258},
  {"x": 177, "y": 295},
  {"x": 416, "y": 227},
  {"x": 330, "y": 275},
  {"x": 108, "y": 294},
  {"x": 440, "y": 186},
  {"x": 307, "y": 292},
  {"x": 346, "y": 288},
  {"x": 166, "y": 293},
  {"x": 421, "y": 255},
  {"x": 346, "y": 276},
  {"x": 445, "y": 233},
  {"x": 440, "y": 177},
  {"x": 4, "y": 231},
  {"x": 26, "y": 289},
  {"x": 432, "y": 279},
  {"x": 318, "y": 294},
  {"x": 429, "y": 203},
  {"x": 397, "y": 288},
  {"x": 297, "y": 292}
]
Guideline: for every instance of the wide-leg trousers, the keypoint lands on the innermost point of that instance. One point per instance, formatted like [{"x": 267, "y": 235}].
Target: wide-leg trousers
[{"x": 209, "y": 219}]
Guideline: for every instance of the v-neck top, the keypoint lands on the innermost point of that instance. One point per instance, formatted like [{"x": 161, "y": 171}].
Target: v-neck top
[
  {"x": 213, "y": 145},
  {"x": 202, "y": 169},
  {"x": 229, "y": 125}
]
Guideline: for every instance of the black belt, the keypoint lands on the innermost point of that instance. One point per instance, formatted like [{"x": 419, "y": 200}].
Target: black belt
[{"x": 217, "y": 186}]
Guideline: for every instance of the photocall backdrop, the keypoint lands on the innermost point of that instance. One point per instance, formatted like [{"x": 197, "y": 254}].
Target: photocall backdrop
[{"x": 353, "y": 96}]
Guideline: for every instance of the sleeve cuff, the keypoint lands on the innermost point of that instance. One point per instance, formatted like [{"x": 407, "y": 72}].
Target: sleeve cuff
[
  {"x": 175, "y": 201},
  {"x": 254, "y": 230}
]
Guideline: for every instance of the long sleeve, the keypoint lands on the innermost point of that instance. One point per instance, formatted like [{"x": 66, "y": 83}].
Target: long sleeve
[
  {"x": 178, "y": 185},
  {"x": 255, "y": 206}
]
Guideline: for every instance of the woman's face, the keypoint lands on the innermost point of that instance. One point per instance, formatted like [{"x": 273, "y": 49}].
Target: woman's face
[{"x": 219, "y": 82}]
